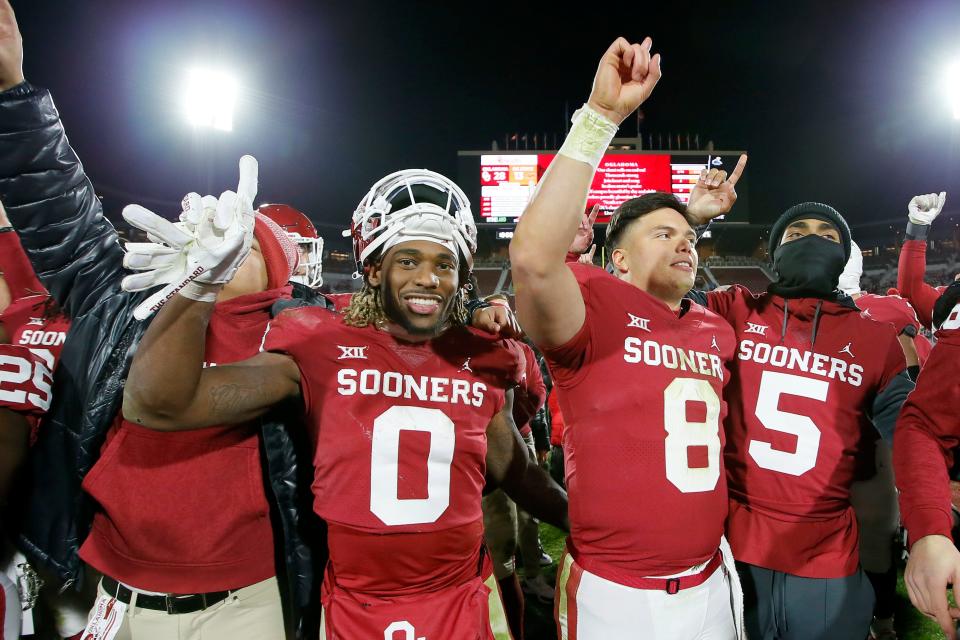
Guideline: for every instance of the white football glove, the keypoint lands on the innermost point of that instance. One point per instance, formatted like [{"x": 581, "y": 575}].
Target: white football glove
[
  {"x": 198, "y": 255},
  {"x": 925, "y": 209}
]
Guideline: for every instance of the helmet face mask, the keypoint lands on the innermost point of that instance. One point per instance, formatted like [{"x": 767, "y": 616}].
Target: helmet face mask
[
  {"x": 310, "y": 271},
  {"x": 413, "y": 204},
  {"x": 300, "y": 229}
]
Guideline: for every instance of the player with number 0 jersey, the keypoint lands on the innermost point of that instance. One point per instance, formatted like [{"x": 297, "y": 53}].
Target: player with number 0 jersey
[{"x": 407, "y": 409}]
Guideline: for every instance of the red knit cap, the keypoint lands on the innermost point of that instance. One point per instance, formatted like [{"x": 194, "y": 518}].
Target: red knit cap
[{"x": 280, "y": 254}]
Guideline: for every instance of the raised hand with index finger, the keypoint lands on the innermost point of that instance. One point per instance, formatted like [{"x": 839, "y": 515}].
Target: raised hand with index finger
[
  {"x": 715, "y": 193},
  {"x": 197, "y": 256}
]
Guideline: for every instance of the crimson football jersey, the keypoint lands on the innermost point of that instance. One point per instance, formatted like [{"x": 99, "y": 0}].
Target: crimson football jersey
[
  {"x": 911, "y": 270},
  {"x": 927, "y": 435},
  {"x": 26, "y": 320},
  {"x": 641, "y": 394},
  {"x": 25, "y": 380},
  {"x": 532, "y": 392},
  {"x": 399, "y": 431},
  {"x": 27, "y": 326},
  {"x": 803, "y": 386},
  {"x": 899, "y": 312}
]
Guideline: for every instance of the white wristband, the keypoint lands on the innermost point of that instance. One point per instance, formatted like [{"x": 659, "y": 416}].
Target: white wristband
[
  {"x": 589, "y": 137},
  {"x": 201, "y": 292}
]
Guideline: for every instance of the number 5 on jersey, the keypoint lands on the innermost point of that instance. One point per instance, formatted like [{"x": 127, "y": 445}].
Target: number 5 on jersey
[{"x": 804, "y": 457}]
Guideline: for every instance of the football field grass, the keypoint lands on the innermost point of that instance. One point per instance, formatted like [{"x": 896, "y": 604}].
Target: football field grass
[{"x": 910, "y": 624}]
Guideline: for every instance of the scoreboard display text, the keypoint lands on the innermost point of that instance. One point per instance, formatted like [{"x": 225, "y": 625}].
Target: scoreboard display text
[{"x": 508, "y": 181}]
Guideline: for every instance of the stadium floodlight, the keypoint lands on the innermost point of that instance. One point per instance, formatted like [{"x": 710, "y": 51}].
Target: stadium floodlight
[
  {"x": 209, "y": 97},
  {"x": 952, "y": 86}
]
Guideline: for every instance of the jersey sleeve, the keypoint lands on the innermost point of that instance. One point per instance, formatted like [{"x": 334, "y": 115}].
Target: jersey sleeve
[
  {"x": 927, "y": 432},
  {"x": 893, "y": 309},
  {"x": 911, "y": 269},
  {"x": 292, "y": 333},
  {"x": 567, "y": 360},
  {"x": 720, "y": 302},
  {"x": 340, "y": 300},
  {"x": 923, "y": 347},
  {"x": 16, "y": 267},
  {"x": 19, "y": 313},
  {"x": 531, "y": 392},
  {"x": 894, "y": 385}
]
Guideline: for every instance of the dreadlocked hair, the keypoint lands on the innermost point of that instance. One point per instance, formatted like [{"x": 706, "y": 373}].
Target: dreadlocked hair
[{"x": 366, "y": 308}]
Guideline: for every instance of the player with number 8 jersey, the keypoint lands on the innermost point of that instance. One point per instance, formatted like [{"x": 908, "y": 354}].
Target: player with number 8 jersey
[
  {"x": 669, "y": 370},
  {"x": 642, "y": 372}
]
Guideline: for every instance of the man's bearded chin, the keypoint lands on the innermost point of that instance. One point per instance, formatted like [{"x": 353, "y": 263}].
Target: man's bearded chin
[{"x": 395, "y": 314}]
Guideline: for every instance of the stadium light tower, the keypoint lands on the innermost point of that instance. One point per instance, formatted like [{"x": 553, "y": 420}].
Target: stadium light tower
[
  {"x": 952, "y": 86},
  {"x": 209, "y": 97}
]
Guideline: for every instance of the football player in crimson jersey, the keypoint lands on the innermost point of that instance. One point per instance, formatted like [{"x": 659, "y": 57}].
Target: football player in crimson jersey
[
  {"x": 25, "y": 381},
  {"x": 874, "y": 494},
  {"x": 927, "y": 435},
  {"x": 408, "y": 410},
  {"x": 633, "y": 358},
  {"x": 24, "y": 394},
  {"x": 922, "y": 211},
  {"x": 300, "y": 229},
  {"x": 34, "y": 322},
  {"x": 811, "y": 376}
]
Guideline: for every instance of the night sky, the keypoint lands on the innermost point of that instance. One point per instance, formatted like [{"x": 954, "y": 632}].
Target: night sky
[{"x": 839, "y": 102}]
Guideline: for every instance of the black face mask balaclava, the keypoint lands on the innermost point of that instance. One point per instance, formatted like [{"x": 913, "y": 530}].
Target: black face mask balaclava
[{"x": 808, "y": 267}]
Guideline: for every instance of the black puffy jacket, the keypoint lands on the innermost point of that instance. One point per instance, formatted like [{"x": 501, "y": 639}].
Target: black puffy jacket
[{"x": 75, "y": 253}]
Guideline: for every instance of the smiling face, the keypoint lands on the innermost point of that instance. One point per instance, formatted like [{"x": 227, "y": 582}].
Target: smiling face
[
  {"x": 657, "y": 255},
  {"x": 418, "y": 282},
  {"x": 807, "y": 226}
]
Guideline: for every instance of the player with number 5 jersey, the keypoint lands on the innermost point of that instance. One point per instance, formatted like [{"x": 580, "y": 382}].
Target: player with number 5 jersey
[
  {"x": 642, "y": 372},
  {"x": 810, "y": 376},
  {"x": 408, "y": 411}
]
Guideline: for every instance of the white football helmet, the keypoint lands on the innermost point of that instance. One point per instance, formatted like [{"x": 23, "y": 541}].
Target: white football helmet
[{"x": 406, "y": 205}]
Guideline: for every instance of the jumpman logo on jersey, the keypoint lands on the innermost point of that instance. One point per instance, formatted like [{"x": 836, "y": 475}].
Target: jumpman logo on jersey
[
  {"x": 866, "y": 313},
  {"x": 352, "y": 353},
  {"x": 846, "y": 350},
  {"x": 638, "y": 322},
  {"x": 466, "y": 366},
  {"x": 713, "y": 344},
  {"x": 759, "y": 329}
]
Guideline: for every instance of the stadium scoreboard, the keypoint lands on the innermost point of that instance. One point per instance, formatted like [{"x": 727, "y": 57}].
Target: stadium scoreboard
[{"x": 502, "y": 183}]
